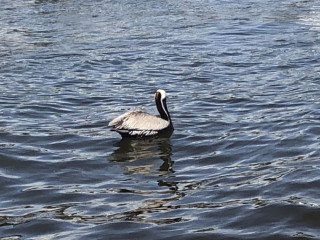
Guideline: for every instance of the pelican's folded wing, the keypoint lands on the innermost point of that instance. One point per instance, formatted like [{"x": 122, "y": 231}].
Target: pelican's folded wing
[{"x": 138, "y": 121}]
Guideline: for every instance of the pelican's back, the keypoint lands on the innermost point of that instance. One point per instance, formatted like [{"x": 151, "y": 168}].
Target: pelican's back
[{"x": 137, "y": 123}]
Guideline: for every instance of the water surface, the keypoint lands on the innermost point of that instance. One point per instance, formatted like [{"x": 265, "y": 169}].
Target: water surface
[{"x": 242, "y": 79}]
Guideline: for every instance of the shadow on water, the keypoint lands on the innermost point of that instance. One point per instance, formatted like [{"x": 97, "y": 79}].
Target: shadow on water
[{"x": 141, "y": 154}]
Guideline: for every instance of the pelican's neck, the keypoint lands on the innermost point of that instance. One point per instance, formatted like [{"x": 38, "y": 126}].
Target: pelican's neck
[
  {"x": 162, "y": 106},
  {"x": 162, "y": 109}
]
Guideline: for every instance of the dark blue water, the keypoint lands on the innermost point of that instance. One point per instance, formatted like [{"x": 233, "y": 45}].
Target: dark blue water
[{"x": 243, "y": 87}]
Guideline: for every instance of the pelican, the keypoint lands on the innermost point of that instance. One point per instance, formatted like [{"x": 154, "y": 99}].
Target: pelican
[{"x": 140, "y": 124}]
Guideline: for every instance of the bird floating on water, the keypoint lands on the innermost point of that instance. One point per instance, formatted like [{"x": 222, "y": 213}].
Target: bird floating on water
[{"x": 140, "y": 124}]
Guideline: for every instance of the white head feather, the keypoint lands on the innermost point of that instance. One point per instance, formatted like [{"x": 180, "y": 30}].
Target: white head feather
[{"x": 163, "y": 93}]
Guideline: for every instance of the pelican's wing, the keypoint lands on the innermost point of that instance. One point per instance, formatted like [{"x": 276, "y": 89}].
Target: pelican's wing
[{"x": 138, "y": 121}]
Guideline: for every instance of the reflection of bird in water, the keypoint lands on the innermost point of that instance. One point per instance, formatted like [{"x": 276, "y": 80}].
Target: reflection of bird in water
[
  {"x": 140, "y": 155},
  {"x": 140, "y": 124}
]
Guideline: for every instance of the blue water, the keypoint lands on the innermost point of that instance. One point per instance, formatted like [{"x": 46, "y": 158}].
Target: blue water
[{"x": 242, "y": 79}]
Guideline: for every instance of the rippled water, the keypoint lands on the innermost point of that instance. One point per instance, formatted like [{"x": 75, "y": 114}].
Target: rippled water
[{"x": 243, "y": 90}]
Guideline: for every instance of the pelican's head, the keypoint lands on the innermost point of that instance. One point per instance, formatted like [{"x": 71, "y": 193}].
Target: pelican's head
[{"x": 160, "y": 94}]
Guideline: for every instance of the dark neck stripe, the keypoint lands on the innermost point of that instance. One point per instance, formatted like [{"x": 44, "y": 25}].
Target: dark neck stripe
[{"x": 162, "y": 108}]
